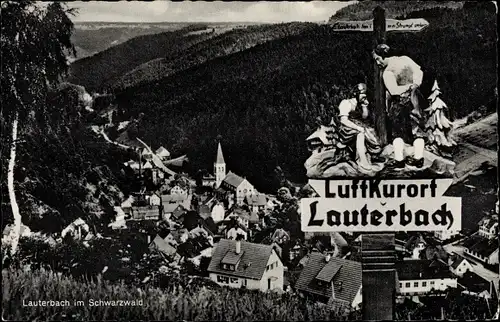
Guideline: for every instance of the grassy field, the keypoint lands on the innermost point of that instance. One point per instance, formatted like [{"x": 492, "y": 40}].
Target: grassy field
[{"x": 178, "y": 303}]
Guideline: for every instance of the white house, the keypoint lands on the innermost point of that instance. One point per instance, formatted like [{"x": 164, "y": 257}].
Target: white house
[
  {"x": 459, "y": 265},
  {"x": 488, "y": 227},
  {"x": 154, "y": 200},
  {"x": 177, "y": 190},
  {"x": 233, "y": 230},
  {"x": 77, "y": 229},
  {"x": 445, "y": 234},
  {"x": 332, "y": 280},
  {"x": 420, "y": 276},
  {"x": 243, "y": 264}
]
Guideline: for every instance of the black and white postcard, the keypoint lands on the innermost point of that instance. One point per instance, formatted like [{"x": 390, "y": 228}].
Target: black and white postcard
[{"x": 249, "y": 161}]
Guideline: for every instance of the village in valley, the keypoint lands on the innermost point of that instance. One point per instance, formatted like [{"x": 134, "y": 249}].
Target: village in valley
[{"x": 227, "y": 232}]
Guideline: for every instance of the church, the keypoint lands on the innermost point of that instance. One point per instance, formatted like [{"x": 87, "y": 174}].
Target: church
[{"x": 228, "y": 185}]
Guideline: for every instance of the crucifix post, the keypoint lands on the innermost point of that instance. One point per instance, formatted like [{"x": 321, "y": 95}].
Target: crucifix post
[
  {"x": 378, "y": 249},
  {"x": 379, "y": 37}
]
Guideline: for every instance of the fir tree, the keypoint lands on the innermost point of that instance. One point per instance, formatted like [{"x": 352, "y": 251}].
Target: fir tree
[{"x": 438, "y": 126}]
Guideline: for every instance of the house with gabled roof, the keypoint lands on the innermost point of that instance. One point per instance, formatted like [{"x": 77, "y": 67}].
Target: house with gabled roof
[
  {"x": 488, "y": 227},
  {"x": 459, "y": 265},
  {"x": 331, "y": 280},
  {"x": 421, "y": 276},
  {"x": 237, "y": 263},
  {"x": 164, "y": 247},
  {"x": 233, "y": 229},
  {"x": 256, "y": 202}
]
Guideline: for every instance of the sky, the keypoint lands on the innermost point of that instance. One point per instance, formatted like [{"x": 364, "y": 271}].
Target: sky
[{"x": 201, "y": 11}]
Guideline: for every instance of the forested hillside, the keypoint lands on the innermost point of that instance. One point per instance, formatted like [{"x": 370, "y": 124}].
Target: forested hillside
[
  {"x": 64, "y": 170},
  {"x": 211, "y": 48},
  {"x": 264, "y": 101},
  {"x": 97, "y": 72},
  {"x": 362, "y": 10}
]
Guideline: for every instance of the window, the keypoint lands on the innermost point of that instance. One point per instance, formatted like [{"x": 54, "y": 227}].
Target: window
[
  {"x": 432, "y": 282},
  {"x": 407, "y": 284},
  {"x": 222, "y": 279},
  {"x": 424, "y": 284},
  {"x": 400, "y": 285},
  {"x": 234, "y": 280},
  {"x": 415, "y": 284}
]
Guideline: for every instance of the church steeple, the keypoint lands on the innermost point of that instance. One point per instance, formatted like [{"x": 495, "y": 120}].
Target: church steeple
[{"x": 219, "y": 167}]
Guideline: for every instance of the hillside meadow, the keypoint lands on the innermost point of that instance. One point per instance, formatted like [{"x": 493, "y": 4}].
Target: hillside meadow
[{"x": 175, "y": 304}]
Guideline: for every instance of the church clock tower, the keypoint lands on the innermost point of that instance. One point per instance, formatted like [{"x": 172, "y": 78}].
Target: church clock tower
[{"x": 219, "y": 167}]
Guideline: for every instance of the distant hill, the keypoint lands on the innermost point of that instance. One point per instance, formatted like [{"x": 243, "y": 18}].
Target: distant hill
[
  {"x": 93, "y": 37},
  {"x": 100, "y": 70},
  {"x": 264, "y": 100},
  {"x": 221, "y": 45},
  {"x": 363, "y": 10}
]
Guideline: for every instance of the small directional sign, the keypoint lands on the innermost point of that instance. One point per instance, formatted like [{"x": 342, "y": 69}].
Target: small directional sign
[{"x": 391, "y": 25}]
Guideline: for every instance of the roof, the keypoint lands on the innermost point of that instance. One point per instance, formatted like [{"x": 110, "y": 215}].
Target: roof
[
  {"x": 161, "y": 245},
  {"x": 416, "y": 269},
  {"x": 173, "y": 198},
  {"x": 170, "y": 207},
  {"x": 141, "y": 212},
  {"x": 256, "y": 200},
  {"x": 233, "y": 179},
  {"x": 345, "y": 274},
  {"x": 458, "y": 260},
  {"x": 162, "y": 152},
  {"x": 253, "y": 261},
  {"x": 474, "y": 283},
  {"x": 220, "y": 156},
  {"x": 484, "y": 247}
]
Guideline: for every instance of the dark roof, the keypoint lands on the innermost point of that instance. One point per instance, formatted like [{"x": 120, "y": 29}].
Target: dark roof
[
  {"x": 474, "y": 283},
  {"x": 232, "y": 258},
  {"x": 233, "y": 180},
  {"x": 485, "y": 247},
  {"x": 161, "y": 245},
  {"x": 457, "y": 261},
  {"x": 256, "y": 255},
  {"x": 416, "y": 269},
  {"x": 345, "y": 274}
]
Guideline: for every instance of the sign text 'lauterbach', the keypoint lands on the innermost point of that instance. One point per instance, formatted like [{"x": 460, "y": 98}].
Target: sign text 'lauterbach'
[{"x": 381, "y": 205}]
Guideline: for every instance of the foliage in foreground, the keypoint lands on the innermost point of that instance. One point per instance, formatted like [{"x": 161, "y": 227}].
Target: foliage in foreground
[{"x": 192, "y": 304}]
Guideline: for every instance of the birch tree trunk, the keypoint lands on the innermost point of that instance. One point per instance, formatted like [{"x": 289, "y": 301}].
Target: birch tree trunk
[{"x": 16, "y": 229}]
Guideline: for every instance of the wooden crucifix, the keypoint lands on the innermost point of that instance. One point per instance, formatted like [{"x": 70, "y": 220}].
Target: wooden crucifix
[
  {"x": 378, "y": 249},
  {"x": 379, "y": 37}
]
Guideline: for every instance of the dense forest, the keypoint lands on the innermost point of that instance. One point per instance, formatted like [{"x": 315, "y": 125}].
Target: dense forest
[
  {"x": 98, "y": 71},
  {"x": 264, "y": 101}
]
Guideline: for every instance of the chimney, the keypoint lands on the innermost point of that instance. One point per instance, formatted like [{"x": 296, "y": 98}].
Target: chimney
[
  {"x": 327, "y": 258},
  {"x": 238, "y": 246},
  {"x": 149, "y": 239},
  {"x": 239, "y": 237},
  {"x": 333, "y": 289}
]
